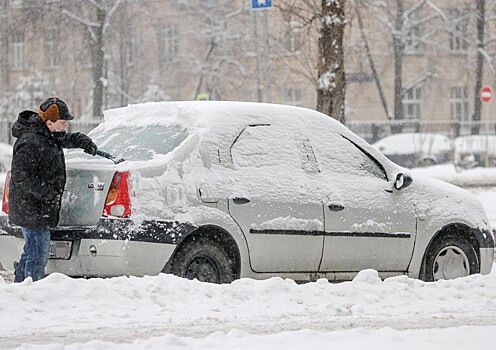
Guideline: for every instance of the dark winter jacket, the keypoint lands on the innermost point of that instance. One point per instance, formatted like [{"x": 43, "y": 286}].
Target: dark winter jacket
[{"x": 38, "y": 171}]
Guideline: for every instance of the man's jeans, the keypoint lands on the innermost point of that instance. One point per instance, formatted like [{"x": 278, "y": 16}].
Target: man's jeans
[{"x": 34, "y": 256}]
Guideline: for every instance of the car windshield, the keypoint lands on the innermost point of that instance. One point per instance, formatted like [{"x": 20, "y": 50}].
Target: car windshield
[{"x": 136, "y": 143}]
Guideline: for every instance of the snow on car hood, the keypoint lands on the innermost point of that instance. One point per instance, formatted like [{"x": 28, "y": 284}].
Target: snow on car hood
[{"x": 436, "y": 199}]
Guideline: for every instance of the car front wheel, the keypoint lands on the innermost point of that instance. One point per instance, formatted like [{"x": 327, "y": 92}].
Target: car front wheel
[
  {"x": 204, "y": 260},
  {"x": 450, "y": 257}
]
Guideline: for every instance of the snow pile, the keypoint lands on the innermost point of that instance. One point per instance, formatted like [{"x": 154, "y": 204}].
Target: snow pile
[
  {"x": 467, "y": 337},
  {"x": 61, "y": 309}
]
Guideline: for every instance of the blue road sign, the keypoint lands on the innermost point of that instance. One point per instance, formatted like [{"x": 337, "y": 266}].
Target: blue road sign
[{"x": 261, "y": 4}]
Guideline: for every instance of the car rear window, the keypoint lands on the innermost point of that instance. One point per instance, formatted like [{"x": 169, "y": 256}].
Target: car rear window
[{"x": 139, "y": 143}]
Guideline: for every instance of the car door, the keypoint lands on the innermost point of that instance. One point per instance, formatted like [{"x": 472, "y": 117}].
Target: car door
[
  {"x": 282, "y": 226},
  {"x": 367, "y": 223}
]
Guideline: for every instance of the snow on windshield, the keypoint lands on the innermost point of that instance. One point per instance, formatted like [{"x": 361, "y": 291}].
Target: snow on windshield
[{"x": 136, "y": 143}]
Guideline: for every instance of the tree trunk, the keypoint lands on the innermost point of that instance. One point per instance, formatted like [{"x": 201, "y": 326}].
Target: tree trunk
[
  {"x": 481, "y": 4},
  {"x": 98, "y": 63},
  {"x": 398, "y": 48},
  {"x": 4, "y": 54},
  {"x": 332, "y": 82}
]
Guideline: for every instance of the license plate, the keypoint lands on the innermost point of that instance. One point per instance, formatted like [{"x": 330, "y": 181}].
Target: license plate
[{"x": 60, "y": 250}]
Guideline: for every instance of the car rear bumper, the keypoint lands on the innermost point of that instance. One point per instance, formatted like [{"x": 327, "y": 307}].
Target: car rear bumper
[{"x": 113, "y": 247}]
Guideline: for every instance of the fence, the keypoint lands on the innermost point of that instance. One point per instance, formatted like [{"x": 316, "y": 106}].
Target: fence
[{"x": 377, "y": 129}]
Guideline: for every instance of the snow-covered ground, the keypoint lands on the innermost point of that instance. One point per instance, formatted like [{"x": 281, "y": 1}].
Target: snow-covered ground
[{"x": 168, "y": 312}]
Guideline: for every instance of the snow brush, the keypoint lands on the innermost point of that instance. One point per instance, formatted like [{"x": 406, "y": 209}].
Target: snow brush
[{"x": 108, "y": 156}]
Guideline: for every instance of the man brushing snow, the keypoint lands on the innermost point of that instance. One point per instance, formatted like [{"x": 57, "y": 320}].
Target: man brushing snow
[{"x": 38, "y": 179}]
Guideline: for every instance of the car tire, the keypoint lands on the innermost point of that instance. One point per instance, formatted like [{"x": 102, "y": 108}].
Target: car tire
[
  {"x": 448, "y": 257},
  {"x": 204, "y": 260}
]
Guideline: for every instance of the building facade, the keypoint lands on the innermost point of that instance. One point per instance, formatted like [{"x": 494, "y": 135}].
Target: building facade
[{"x": 224, "y": 50}]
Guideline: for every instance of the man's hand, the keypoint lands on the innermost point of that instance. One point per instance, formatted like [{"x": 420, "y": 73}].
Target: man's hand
[
  {"x": 90, "y": 148},
  {"x": 87, "y": 144}
]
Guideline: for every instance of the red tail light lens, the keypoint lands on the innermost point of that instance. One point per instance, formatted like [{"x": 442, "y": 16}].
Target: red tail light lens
[
  {"x": 5, "y": 200},
  {"x": 118, "y": 202}
]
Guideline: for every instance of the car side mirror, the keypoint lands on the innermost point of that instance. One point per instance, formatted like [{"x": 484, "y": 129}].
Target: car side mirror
[{"x": 402, "y": 181}]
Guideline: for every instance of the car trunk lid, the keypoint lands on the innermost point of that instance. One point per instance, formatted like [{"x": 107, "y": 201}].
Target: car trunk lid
[{"x": 85, "y": 195}]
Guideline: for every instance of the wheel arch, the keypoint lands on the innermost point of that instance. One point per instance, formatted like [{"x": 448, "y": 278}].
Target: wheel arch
[
  {"x": 477, "y": 239},
  {"x": 217, "y": 234}
]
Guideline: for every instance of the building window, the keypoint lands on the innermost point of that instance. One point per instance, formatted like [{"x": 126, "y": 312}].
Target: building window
[
  {"x": 413, "y": 39},
  {"x": 459, "y": 30},
  {"x": 411, "y": 104},
  {"x": 292, "y": 96},
  {"x": 168, "y": 44},
  {"x": 129, "y": 51},
  {"x": 459, "y": 103},
  {"x": 52, "y": 55},
  {"x": 292, "y": 34},
  {"x": 18, "y": 51}
]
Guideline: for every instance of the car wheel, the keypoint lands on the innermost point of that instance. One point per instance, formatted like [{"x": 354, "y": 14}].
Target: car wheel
[
  {"x": 449, "y": 257},
  {"x": 204, "y": 260}
]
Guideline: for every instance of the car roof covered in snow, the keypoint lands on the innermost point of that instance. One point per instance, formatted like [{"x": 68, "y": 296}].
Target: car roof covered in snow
[{"x": 218, "y": 115}]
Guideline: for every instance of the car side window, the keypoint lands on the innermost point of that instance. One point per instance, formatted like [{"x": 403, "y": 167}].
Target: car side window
[
  {"x": 338, "y": 154},
  {"x": 265, "y": 146}
]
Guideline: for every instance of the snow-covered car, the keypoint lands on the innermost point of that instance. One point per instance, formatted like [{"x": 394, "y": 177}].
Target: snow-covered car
[
  {"x": 224, "y": 190},
  {"x": 412, "y": 150},
  {"x": 475, "y": 150},
  {"x": 5, "y": 157},
  {"x": 5, "y": 161}
]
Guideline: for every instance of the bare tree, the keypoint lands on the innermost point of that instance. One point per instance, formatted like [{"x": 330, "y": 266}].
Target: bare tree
[
  {"x": 332, "y": 82},
  {"x": 405, "y": 21},
  {"x": 480, "y": 24},
  {"x": 95, "y": 16},
  {"x": 224, "y": 41},
  {"x": 323, "y": 21},
  {"x": 4, "y": 51}
]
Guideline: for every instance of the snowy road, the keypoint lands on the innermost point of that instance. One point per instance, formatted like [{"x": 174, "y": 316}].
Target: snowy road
[
  {"x": 121, "y": 310},
  {"x": 168, "y": 312}
]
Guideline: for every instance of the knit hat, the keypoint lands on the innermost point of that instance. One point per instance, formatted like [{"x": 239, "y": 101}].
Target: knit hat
[{"x": 54, "y": 109}]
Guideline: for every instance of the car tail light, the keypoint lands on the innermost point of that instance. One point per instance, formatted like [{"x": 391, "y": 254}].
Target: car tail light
[
  {"x": 118, "y": 202},
  {"x": 5, "y": 200}
]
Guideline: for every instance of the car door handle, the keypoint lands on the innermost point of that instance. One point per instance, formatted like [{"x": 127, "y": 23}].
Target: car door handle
[
  {"x": 335, "y": 207},
  {"x": 239, "y": 200}
]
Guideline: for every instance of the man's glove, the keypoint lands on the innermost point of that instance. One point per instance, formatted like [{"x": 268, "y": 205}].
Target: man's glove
[
  {"x": 91, "y": 148},
  {"x": 87, "y": 144}
]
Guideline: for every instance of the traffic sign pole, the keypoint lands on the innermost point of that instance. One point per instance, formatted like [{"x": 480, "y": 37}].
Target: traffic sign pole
[
  {"x": 486, "y": 94},
  {"x": 261, "y": 5}
]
